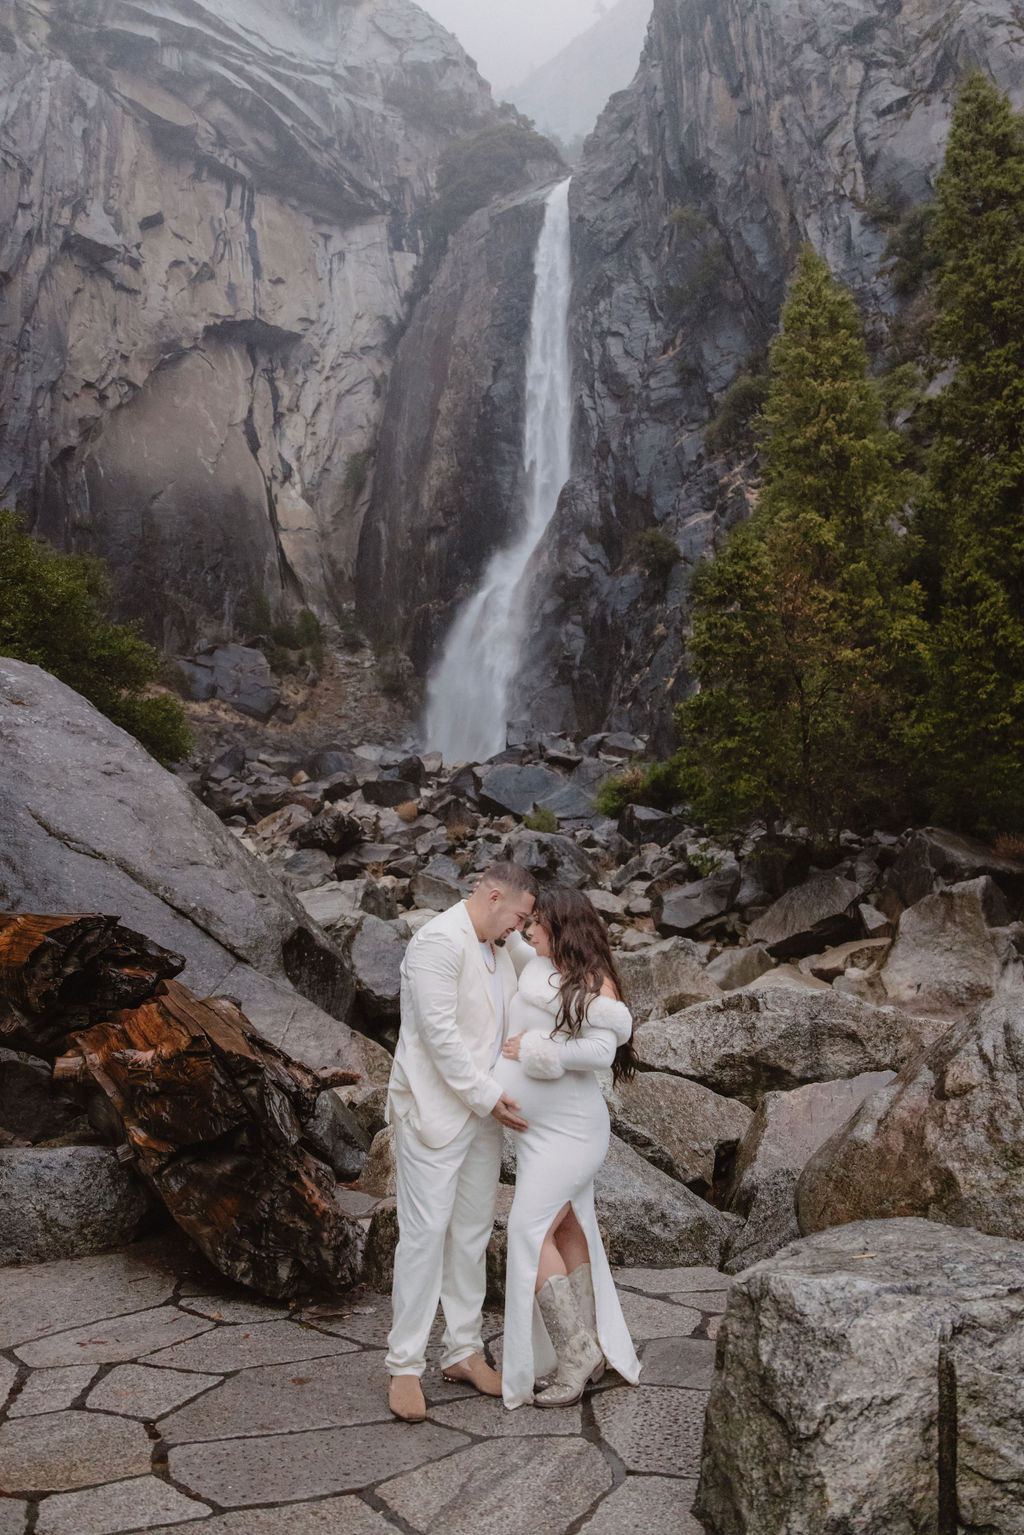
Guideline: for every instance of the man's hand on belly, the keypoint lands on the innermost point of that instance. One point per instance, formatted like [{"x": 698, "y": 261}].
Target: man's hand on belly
[{"x": 506, "y": 1112}]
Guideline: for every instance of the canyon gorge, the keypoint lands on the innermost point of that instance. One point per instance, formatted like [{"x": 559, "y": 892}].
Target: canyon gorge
[{"x": 244, "y": 362}]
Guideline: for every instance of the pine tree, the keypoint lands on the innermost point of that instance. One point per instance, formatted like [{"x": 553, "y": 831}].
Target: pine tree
[
  {"x": 804, "y": 638},
  {"x": 971, "y": 730}
]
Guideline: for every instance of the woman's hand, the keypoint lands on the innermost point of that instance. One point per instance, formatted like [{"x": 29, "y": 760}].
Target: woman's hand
[{"x": 510, "y": 1049}]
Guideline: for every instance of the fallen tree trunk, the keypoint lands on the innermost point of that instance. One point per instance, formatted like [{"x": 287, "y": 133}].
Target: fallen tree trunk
[{"x": 213, "y": 1113}]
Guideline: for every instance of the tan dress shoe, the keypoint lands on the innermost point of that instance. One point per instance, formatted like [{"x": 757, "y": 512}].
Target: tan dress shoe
[
  {"x": 405, "y": 1398},
  {"x": 477, "y": 1372}
]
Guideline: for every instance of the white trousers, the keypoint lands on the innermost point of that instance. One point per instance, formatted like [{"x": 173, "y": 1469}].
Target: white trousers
[{"x": 446, "y": 1198}]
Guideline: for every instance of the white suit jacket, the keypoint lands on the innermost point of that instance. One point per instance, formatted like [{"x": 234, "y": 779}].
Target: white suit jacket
[{"x": 441, "y": 1073}]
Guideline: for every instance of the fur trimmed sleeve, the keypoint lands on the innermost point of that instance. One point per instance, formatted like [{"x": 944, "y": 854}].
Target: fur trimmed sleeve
[
  {"x": 540, "y": 1056},
  {"x": 609, "y": 1013}
]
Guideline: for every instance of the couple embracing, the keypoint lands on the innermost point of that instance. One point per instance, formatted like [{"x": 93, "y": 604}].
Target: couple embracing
[{"x": 500, "y": 1032}]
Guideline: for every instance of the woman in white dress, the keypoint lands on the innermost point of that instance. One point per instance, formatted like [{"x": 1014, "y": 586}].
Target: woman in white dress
[{"x": 567, "y": 1022}]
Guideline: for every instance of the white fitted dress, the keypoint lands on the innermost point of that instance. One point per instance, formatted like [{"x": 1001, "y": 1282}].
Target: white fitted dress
[{"x": 555, "y": 1083}]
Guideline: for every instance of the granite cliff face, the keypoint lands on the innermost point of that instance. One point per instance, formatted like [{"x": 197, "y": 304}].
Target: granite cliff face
[
  {"x": 210, "y": 214},
  {"x": 752, "y": 126}
]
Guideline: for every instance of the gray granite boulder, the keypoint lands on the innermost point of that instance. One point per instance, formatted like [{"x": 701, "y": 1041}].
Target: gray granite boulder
[
  {"x": 664, "y": 977},
  {"x": 649, "y": 1218},
  {"x": 870, "y": 1379},
  {"x": 334, "y": 830},
  {"x": 67, "y": 1201},
  {"x": 676, "y": 1124},
  {"x": 551, "y": 856},
  {"x": 934, "y": 857},
  {"x": 734, "y": 968},
  {"x": 784, "y": 1134},
  {"x": 376, "y": 950},
  {"x": 754, "y": 1042},
  {"x": 944, "y": 960},
  {"x": 437, "y": 886},
  {"x": 508, "y": 789},
  {"x": 336, "y": 1136},
  {"x": 944, "y": 1140},
  {"x": 682, "y": 908},
  {"x": 812, "y": 916},
  {"x": 90, "y": 822},
  {"x": 236, "y": 674}
]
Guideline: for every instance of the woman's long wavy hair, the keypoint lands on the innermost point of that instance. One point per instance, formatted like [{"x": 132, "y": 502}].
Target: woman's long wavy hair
[{"x": 581, "y": 954}]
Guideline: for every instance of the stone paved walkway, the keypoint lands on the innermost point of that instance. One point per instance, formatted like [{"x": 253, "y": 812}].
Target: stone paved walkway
[{"x": 140, "y": 1393}]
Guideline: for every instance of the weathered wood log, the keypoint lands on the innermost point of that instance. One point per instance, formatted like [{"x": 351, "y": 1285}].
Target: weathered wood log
[
  {"x": 59, "y": 973},
  {"x": 215, "y": 1114},
  {"x": 211, "y": 1112}
]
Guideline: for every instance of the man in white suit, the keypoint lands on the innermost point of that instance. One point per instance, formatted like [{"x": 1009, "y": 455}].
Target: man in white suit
[{"x": 448, "y": 1113}]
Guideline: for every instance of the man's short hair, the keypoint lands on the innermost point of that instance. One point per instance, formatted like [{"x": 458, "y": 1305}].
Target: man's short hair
[{"x": 512, "y": 875}]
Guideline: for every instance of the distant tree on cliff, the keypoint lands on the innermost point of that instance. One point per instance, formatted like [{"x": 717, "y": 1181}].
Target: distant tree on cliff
[
  {"x": 52, "y": 613},
  {"x": 971, "y": 729},
  {"x": 805, "y": 637},
  {"x": 485, "y": 165}
]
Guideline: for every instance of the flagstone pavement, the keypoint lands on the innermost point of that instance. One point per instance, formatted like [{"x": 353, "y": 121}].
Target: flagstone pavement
[{"x": 141, "y": 1392}]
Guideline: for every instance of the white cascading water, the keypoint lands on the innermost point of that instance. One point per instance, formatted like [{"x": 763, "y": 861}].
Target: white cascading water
[{"x": 469, "y": 690}]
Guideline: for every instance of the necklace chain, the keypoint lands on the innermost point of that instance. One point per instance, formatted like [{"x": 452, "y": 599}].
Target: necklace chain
[{"x": 491, "y": 970}]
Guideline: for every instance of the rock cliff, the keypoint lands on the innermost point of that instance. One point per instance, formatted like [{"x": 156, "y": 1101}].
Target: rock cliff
[
  {"x": 751, "y": 126},
  {"x": 210, "y": 214}
]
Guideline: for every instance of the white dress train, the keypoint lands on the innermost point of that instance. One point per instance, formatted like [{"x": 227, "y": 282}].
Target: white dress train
[{"x": 555, "y": 1083}]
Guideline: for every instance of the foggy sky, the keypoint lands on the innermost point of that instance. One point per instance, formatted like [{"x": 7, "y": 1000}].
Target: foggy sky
[{"x": 508, "y": 37}]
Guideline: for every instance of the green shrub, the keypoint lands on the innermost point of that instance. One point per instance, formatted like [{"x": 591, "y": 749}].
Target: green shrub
[
  {"x": 652, "y": 784},
  {"x": 53, "y": 614},
  {"x": 912, "y": 251},
  {"x": 479, "y": 168},
  {"x": 703, "y": 280},
  {"x": 734, "y": 425},
  {"x": 541, "y": 819},
  {"x": 654, "y": 551},
  {"x": 690, "y": 221}
]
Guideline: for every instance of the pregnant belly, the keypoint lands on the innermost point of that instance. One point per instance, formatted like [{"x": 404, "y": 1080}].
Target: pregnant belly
[{"x": 570, "y": 1105}]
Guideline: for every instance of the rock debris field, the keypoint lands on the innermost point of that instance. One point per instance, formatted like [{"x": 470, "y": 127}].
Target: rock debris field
[{"x": 142, "y": 1393}]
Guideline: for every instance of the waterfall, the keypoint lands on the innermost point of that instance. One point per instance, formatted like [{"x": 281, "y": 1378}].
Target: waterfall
[{"x": 468, "y": 693}]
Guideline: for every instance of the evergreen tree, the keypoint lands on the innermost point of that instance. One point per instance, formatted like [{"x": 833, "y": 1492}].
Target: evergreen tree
[
  {"x": 52, "y": 614},
  {"x": 970, "y": 734},
  {"x": 804, "y": 638}
]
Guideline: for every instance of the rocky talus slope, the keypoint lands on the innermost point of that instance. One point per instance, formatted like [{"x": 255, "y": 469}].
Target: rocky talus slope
[
  {"x": 822, "y": 1044},
  {"x": 211, "y": 227}
]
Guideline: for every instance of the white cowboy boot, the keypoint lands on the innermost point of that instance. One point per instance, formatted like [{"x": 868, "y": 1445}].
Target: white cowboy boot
[
  {"x": 576, "y": 1347},
  {"x": 582, "y": 1283}
]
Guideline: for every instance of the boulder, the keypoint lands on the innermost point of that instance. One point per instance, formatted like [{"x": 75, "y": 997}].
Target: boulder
[
  {"x": 787, "y": 976},
  {"x": 648, "y": 1218},
  {"x": 784, "y": 1134},
  {"x": 944, "y": 959},
  {"x": 334, "y": 830},
  {"x": 376, "y": 950},
  {"x": 339, "y": 901},
  {"x": 685, "y": 907},
  {"x": 734, "y": 968},
  {"x": 378, "y": 1172},
  {"x": 861, "y": 954},
  {"x": 776, "y": 864},
  {"x": 336, "y": 1136},
  {"x": 438, "y": 885},
  {"x": 66, "y": 1202},
  {"x": 550, "y": 856},
  {"x": 389, "y": 792},
  {"x": 812, "y": 916},
  {"x": 511, "y": 790},
  {"x": 640, "y": 823},
  {"x": 90, "y": 822},
  {"x": 676, "y": 1124},
  {"x": 664, "y": 977},
  {"x": 870, "y": 1379},
  {"x": 33, "y": 1107},
  {"x": 751, "y": 1042},
  {"x": 934, "y": 857},
  {"x": 306, "y": 869},
  {"x": 944, "y": 1140},
  {"x": 612, "y": 907},
  {"x": 875, "y": 923},
  {"x": 236, "y": 674}
]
